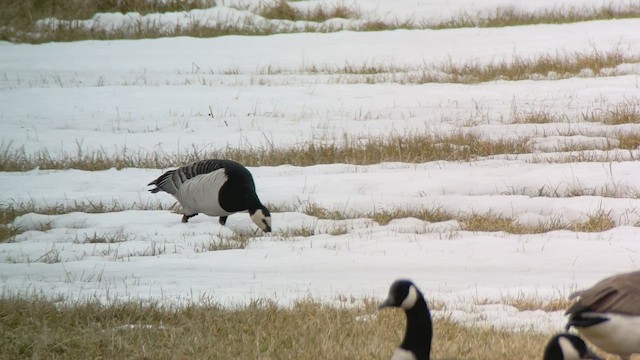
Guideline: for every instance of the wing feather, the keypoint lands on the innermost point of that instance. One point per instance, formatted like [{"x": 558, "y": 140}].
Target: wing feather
[
  {"x": 171, "y": 180},
  {"x": 616, "y": 294}
]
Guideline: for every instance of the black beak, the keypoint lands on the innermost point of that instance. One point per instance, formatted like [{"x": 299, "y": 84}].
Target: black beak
[
  {"x": 386, "y": 303},
  {"x": 591, "y": 355}
]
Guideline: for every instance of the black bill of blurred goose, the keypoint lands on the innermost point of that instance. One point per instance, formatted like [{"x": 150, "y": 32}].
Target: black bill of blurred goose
[
  {"x": 416, "y": 344},
  {"x": 608, "y": 314},
  {"x": 567, "y": 346},
  {"x": 215, "y": 188}
]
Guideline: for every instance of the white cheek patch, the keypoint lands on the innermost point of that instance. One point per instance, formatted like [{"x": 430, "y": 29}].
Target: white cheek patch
[
  {"x": 411, "y": 298},
  {"x": 569, "y": 352},
  {"x": 258, "y": 218}
]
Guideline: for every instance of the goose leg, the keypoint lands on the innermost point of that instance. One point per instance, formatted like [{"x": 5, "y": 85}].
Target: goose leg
[
  {"x": 185, "y": 217},
  {"x": 223, "y": 220}
]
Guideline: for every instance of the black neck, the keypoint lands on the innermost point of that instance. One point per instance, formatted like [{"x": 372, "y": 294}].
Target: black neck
[{"x": 418, "y": 323}]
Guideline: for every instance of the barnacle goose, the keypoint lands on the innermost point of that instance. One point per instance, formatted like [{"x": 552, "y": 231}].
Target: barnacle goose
[
  {"x": 566, "y": 346},
  {"x": 417, "y": 337},
  {"x": 608, "y": 314},
  {"x": 215, "y": 188}
]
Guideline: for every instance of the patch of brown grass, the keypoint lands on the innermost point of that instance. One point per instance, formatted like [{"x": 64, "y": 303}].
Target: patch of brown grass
[
  {"x": 37, "y": 328},
  {"x": 282, "y": 10},
  {"x": 624, "y": 112},
  {"x": 599, "y": 220},
  {"x": 432, "y": 215},
  {"x": 557, "y": 66},
  {"x": 525, "y": 302}
]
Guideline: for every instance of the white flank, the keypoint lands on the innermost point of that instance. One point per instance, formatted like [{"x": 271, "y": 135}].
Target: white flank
[
  {"x": 200, "y": 194},
  {"x": 620, "y": 335},
  {"x": 569, "y": 352},
  {"x": 411, "y": 298}
]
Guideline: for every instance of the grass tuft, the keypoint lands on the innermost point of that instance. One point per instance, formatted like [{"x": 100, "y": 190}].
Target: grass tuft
[
  {"x": 108, "y": 238},
  {"x": 526, "y": 302},
  {"x": 236, "y": 242},
  {"x": 282, "y": 10},
  {"x": 625, "y": 112},
  {"x": 432, "y": 215},
  {"x": 600, "y": 220}
]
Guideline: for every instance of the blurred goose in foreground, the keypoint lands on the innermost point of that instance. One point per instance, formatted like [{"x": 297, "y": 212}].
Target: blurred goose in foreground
[
  {"x": 215, "y": 188},
  {"x": 568, "y": 347},
  {"x": 608, "y": 314},
  {"x": 416, "y": 344}
]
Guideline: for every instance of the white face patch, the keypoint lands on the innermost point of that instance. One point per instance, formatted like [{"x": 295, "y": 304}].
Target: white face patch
[
  {"x": 411, "y": 298},
  {"x": 262, "y": 221},
  {"x": 569, "y": 352}
]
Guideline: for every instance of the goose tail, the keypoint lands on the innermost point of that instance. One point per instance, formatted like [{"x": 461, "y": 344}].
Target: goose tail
[{"x": 165, "y": 183}]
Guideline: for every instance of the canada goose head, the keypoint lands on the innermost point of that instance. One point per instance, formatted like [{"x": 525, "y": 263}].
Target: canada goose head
[
  {"x": 568, "y": 347},
  {"x": 402, "y": 294},
  {"x": 608, "y": 314},
  {"x": 261, "y": 217},
  {"x": 416, "y": 344}
]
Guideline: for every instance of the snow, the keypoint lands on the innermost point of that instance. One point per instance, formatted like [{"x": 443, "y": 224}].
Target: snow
[{"x": 173, "y": 95}]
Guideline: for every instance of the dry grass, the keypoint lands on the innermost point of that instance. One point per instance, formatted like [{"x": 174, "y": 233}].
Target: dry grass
[
  {"x": 509, "y": 16},
  {"x": 628, "y": 141},
  {"x": 237, "y": 241},
  {"x": 19, "y": 18},
  {"x": 85, "y": 9},
  {"x": 598, "y": 221},
  {"x": 437, "y": 214},
  {"x": 545, "y": 66},
  {"x": 282, "y": 10},
  {"x": 488, "y": 222},
  {"x": 558, "y": 66},
  {"x": 411, "y": 148},
  {"x": 353, "y": 149},
  {"x": 36, "y": 328},
  {"x": 8, "y": 213},
  {"x": 625, "y": 112},
  {"x": 611, "y": 190},
  {"x": 524, "y": 302},
  {"x": 314, "y": 209},
  {"x": 109, "y": 238}
]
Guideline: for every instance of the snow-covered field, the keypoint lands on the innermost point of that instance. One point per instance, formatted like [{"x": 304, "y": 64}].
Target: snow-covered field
[{"x": 176, "y": 94}]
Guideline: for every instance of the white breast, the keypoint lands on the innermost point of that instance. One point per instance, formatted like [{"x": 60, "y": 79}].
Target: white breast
[
  {"x": 200, "y": 194},
  {"x": 619, "y": 335},
  {"x": 402, "y": 354}
]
